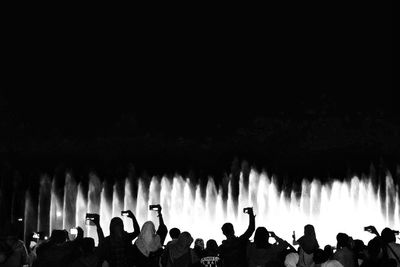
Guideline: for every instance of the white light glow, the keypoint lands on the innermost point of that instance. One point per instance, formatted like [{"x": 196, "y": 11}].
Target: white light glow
[{"x": 337, "y": 206}]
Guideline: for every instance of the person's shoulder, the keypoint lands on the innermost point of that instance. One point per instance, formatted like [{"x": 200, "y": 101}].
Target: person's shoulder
[
  {"x": 134, "y": 248},
  {"x": 338, "y": 253},
  {"x": 396, "y": 245},
  {"x": 106, "y": 241},
  {"x": 19, "y": 244},
  {"x": 251, "y": 245}
]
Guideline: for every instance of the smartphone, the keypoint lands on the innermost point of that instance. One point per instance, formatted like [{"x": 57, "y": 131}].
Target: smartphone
[
  {"x": 124, "y": 213},
  {"x": 90, "y": 217},
  {"x": 155, "y": 207},
  {"x": 246, "y": 210},
  {"x": 73, "y": 231}
]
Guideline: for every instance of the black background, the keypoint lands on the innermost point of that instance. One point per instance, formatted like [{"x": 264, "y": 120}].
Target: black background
[{"x": 299, "y": 91}]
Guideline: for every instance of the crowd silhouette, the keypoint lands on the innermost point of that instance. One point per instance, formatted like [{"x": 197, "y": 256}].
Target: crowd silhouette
[{"x": 145, "y": 247}]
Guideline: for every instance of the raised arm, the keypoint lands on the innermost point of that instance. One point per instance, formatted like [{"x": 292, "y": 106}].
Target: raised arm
[
  {"x": 252, "y": 225},
  {"x": 100, "y": 233},
  {"x": 136, "y": 227},
  {"x": 162, "y": 230},
  {"x": 294, "y": 242},
  {"x": 283, "y": 243},
  {"x": 372, "y": 230}
]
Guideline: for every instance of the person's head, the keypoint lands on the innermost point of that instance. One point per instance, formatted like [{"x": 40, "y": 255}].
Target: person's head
[
  {"x": 148, "y": 239},
  {"x": 374, "y": 248},
  {"x": 291, "y": 259},
  {"x": 328, "y": 251},
  {"x": 211, "y": 244},
  {"x": 211, "y": 247},
  {"x": 199, "y": 243},
  {"x": 359, "y": 245},
  {"x": 116, "y": 227},
  {"x": 88, "y": 245},
  {"x": 309, "y": 230},
  {"x": 388, "y": 235},
  {"x": 227, "y": 230},
  {"x": 58, "y": 236},
  {"x": 184, "y": 240},
  {"x": 148, "y": 231},
  {"x": 342, "y": 240},
  {"x": 174, "y": 233},
  {"x": 320, "y": 256},
  {"x": 261, "y": 237}
]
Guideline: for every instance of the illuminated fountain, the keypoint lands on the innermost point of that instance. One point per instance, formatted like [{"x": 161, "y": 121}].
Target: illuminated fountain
[{"x": 332, "y": 207}]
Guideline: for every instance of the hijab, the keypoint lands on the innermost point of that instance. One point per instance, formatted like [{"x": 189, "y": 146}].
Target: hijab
[
  {"x": 181, "y": 246},
  {"x": 148, "y": 241}
]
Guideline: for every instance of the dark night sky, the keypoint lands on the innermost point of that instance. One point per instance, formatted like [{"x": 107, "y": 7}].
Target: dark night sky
[{"x": 193, "y": 82}]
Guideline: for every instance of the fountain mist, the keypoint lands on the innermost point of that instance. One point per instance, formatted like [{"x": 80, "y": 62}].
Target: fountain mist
[{"x": 332, "y": 207}]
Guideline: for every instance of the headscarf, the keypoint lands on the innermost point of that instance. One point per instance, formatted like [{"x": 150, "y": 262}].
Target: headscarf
[
  {"x": 181, "y": 246},
  {"x": 308, "y": 242},
  {"x": 291, "y": 259},
  {"x": 148, "y": 241}
]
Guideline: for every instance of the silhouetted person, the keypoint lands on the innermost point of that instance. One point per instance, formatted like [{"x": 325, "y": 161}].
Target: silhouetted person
[
  {"x": 174, "y": 233},
  {"x": 307, "y": 245},
  {"x": 211, "y": 256},
  {"x": 58, "y": 251},
  {"x": 375, "y": 253},
  {"x": 233, "y": 249},
  {"x": 321, "y": 260},
  {"x": 319, "y": 257},
  {"x": 88, "y": 258},
  {"x": 263, "y": 253},
  {"x": 13, "y": 252},
  {"x": 198, "y": 252},
  {"x": 392, "y": 249},
  {"x": 147, "y": 249},
  {"x": 343, "y": 253},
  {"x": 115, "y": 249},
  {"x": 378, "y": 249},
  {"x": 360, "y": 251},
  {"x": 328, "y": 251},
  {"x": 179, "y": 253}
]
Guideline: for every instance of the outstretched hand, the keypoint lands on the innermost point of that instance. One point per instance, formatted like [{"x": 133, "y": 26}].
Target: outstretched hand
[
  {"x": 130, "y": 214},
  {"x": 159, "y": 210},
  {"x": 371, "y": 229},
  {"x": 96, "y": 219}
]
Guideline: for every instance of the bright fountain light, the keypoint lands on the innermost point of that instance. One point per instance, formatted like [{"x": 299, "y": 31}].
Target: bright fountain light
[{"x": 332, "y": 207}]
